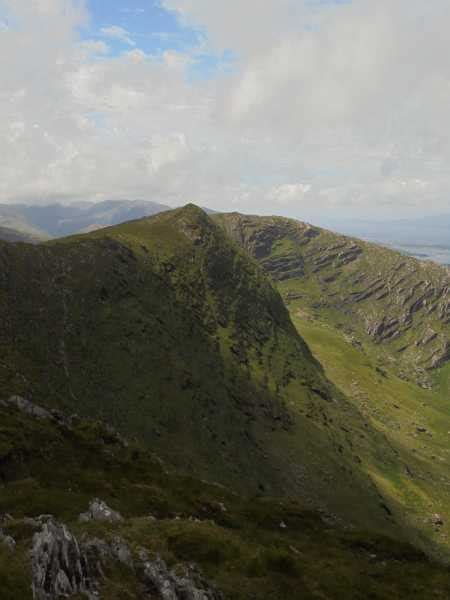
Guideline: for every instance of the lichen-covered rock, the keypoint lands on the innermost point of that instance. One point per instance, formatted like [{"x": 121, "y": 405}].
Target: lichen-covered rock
[
  {"x": 100, "y": 511},
  {"x": 59, "y": 567},
  {"x": 100, "y": 551},
  {"x": 166, "y": 584}
]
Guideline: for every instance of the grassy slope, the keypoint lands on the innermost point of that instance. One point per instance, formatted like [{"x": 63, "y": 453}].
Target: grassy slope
[
  {"x": 45, "y": 467},
  {"x": 419, "y": 482},
  {"x": 162, "y": 327},
  {"x": 416, "y": 481}
]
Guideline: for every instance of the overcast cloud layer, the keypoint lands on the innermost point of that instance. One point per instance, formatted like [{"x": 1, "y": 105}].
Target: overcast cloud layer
[{"x": 337, "y": 109}]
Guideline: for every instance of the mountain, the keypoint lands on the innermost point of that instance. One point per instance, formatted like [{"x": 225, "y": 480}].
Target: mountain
[
  {"x": 325, "y": 459},
  {"x": 371, "y": 292},
  {"x": 165, "y": 329},
  {"x": 58, "y": 220},
  {"x": 12, "y": 235}
]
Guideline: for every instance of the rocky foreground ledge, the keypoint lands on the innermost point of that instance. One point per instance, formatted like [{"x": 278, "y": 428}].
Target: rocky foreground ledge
[{"x": 63, "y": 566}]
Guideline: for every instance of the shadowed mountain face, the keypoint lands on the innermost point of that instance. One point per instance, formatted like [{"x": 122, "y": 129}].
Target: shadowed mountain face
[
  {"x": 58, "y": 220},
  {"x": 373, "y": 293}
]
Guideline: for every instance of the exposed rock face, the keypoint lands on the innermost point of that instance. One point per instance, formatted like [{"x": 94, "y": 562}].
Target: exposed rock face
[
  {"x": 284, "y": 267},
  {"x": 62, "y": 567},
  {"x": 100, "y": 511},
  {"x": 396, "y": 300},
  {"x": 167, "y": 585},
  {"x": 59, "y": 567},
  {"x": 282, "y": 262}
]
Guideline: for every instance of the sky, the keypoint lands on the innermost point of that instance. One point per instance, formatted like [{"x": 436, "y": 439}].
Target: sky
[{"x": 307, "y": 108}]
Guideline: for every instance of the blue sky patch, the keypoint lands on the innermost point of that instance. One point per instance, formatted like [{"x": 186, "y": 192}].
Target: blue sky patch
[{"x": 151, "y": 28}]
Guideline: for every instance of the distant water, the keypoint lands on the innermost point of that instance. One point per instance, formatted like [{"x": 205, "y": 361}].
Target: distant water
[{"x": 438, "y": 254}]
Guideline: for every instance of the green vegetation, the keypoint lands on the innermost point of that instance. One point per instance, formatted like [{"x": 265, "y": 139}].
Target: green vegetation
[
  {"x": 248, "y": 547},
  {"x": 380, "y": 296},
  {"x": 410, "y": 459}
]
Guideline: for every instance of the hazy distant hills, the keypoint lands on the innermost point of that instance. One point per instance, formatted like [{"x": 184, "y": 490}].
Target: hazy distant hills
[
  {"x": 431, "y": 230},
  {"x": 427, "y": 237},
  {"x": 59, "y": 220},
  {"x": 12, "y": 235}
]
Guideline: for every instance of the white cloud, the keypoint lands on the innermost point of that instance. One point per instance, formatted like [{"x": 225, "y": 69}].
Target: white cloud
[
  {"x": 288, "y": 193},
  {"x": 118, "y": 33},
  {"x": 341, "y": 109}
]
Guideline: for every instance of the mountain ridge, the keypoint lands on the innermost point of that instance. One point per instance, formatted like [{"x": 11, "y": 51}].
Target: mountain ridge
[{"x": 399, "y": 302}]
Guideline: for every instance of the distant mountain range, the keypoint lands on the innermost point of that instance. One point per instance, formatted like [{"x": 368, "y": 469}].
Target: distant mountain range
[
  {"x": 13, "y": 235},
  {"x": 43, "y": 222}
]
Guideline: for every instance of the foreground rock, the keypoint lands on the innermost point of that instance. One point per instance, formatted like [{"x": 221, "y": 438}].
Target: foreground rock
[
  {"x": 100, "y": 511},
  {"x": 167, "y": 585},
  {"x": 59, "y": 567},
  {"x": 63, "y": 567}
]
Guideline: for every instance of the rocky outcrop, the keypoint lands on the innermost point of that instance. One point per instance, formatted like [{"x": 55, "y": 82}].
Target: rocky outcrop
[
  {"x": 59, "y": 567},
  {"x": 100, "y": 511},
  {"x": 63, "y": 567},
  {"x": 163, "y": 583},
  {"x": 441, "y": 355},
  {"x": 106, "y": 433},
  {"x": 284, "y": 267},
  {"x": 28, "y": 408}
]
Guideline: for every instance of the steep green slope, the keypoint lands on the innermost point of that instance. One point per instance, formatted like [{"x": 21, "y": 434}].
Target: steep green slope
[
  {"x": 376, "y": 294},
  {"x": 165, "y": 329},
  {"x": 324, "y": 280},
  {"x": 415, "y": 423},
  {"x": 247, "y": 548}
]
